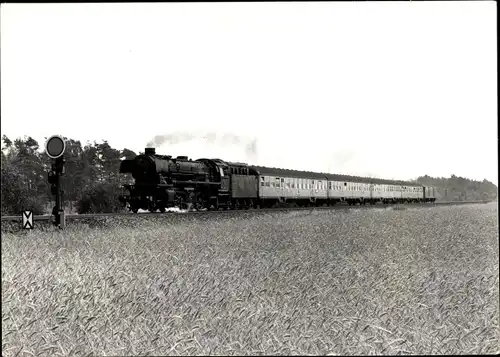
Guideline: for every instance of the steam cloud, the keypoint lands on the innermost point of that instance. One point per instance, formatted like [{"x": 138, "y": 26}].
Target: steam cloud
[{"x": 227, "y": 139}]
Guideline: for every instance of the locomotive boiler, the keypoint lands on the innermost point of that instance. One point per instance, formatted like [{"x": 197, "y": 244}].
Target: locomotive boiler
[{"x": 162, "y": 181}]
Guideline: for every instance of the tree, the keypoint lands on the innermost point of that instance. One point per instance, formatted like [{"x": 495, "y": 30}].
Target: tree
[
  {"x": 17, "y": 195},
  {"x": 100, "y": 198}
]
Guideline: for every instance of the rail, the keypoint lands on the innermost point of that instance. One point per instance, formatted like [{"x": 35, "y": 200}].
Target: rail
[{"x": 338, "y": 206}]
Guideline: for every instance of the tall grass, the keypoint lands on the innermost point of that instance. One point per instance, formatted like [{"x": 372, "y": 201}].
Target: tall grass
[{"x": 417, "y": 281}]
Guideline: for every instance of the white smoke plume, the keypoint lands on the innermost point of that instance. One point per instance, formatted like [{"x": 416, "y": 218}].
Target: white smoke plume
[{"x": 227, "y": 140}]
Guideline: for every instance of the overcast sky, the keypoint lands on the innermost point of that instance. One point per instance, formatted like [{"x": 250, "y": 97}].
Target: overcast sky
[{"x": 392, "y": 90}]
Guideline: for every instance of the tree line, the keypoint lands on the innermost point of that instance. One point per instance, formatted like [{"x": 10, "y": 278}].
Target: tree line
[
  {"x": 458, "y": 188},
  {"x": 92, "y": 182}
]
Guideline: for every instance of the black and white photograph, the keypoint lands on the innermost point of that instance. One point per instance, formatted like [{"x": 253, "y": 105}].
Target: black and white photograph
[{"x": 249, "y": 178}]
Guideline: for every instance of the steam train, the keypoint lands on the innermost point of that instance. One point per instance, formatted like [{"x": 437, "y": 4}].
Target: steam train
[{"x": 161, "y": 181}]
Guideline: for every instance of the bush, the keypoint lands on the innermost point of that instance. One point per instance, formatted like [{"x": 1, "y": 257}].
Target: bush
[
  {"x": 100, "y": 198},
  {"x": 17, "y": 195}
]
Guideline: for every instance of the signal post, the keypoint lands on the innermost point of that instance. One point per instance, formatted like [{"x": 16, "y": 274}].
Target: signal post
[{"x": 55, "y": 147}]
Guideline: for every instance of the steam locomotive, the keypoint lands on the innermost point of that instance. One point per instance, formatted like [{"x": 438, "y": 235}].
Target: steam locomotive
[{"x": 162, "y": 181}]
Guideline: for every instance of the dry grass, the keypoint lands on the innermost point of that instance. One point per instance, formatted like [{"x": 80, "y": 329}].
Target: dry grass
[{"x": 416, "y": 281}]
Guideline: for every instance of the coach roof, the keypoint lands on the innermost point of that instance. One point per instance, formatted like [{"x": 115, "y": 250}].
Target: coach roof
[{"x": 277, "y": 172}]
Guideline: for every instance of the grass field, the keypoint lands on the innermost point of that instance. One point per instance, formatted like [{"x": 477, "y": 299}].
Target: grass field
[{"x": 410, "y": 281}]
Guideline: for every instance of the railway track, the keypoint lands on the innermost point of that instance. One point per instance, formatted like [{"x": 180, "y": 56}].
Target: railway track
[{"x": 277, "y": 209}]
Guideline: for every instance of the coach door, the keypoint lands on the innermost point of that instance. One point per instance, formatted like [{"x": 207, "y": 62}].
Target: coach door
[{"x": 371, "y": 190}]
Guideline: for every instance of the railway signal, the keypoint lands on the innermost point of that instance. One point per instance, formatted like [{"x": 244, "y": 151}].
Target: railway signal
[{"x": 55, "y": 147}]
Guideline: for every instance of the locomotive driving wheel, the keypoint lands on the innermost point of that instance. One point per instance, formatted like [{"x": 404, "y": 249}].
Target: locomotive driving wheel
[
  {"x": 199, "y": 203},
  {"x": 134, "y": 209}
]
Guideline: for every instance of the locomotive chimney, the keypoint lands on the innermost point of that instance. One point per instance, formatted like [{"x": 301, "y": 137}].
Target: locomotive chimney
[{"x": 149, "y": 151}]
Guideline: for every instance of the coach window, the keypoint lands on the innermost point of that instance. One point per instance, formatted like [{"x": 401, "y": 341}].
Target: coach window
[{"x": 262, "y": 183}]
